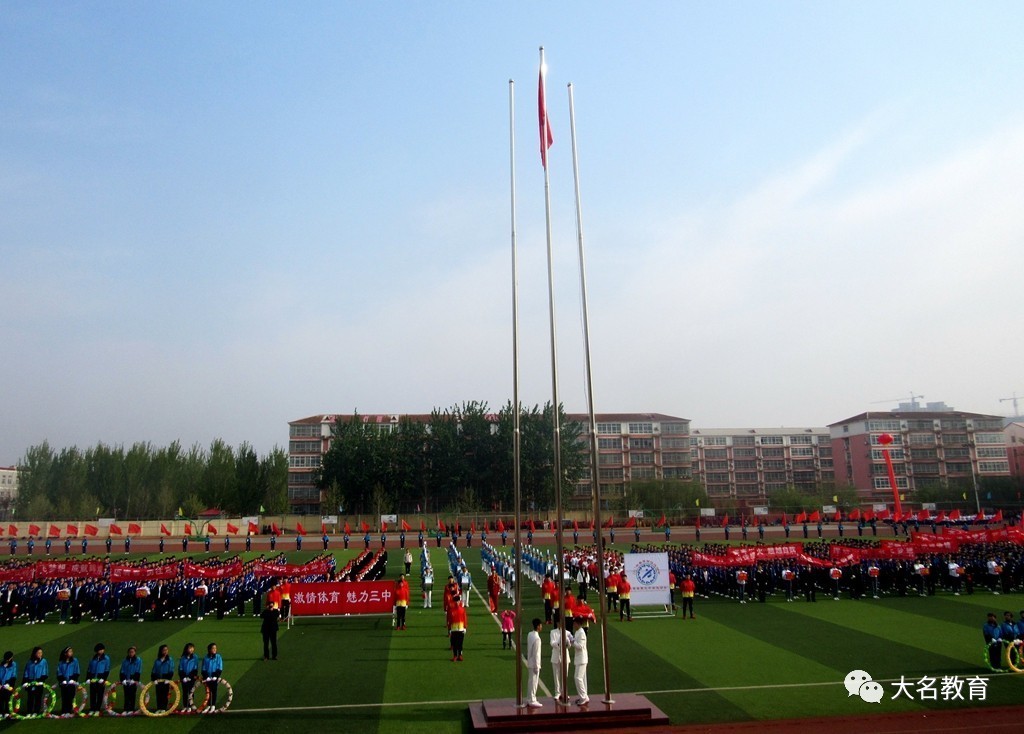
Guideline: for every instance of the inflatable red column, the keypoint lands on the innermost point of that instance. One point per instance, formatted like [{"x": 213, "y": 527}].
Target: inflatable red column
[{"x": 885, "y": 439}]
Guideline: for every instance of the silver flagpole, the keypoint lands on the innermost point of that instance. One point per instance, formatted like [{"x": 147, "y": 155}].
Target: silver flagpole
[
  {"x": 516, "y": 478},
  {"x": 595, "y": 485},
  {"x": 556, "y": 428}
]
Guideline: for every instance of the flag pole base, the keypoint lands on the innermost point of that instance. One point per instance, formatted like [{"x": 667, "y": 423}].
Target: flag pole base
[{"x": 629, "y": 711}]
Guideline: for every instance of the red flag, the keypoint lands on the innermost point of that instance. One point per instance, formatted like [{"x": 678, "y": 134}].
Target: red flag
[
  {"x": 610, "y": 522},
  {"x": 814, "y": 517},
  {"x": 501, "y": 526},
  {"x": 575, "y": 525},
  {"x": 423, "y": 525},
  {"x": 54, "y": 531},
  {"x": 980, "y": 516},
  {"x": 1, "y": 530},
  {"x": 274, "y": 530},
  {"x": 941, "y": 517},
  {"x": 163, "y": 529},
  {"x": 91, "y": 530},
  {"x": 211, "y": 530},
  {"x": 998, "y": 517},
  {"x": 801, "y": 518},
  {"x": 253, "y": 528},
  {"x": 233, "y": 529},
  {"x": 533, "y": 528},
  {"x": 954, "y": 515},
  {"x": 546, "y": 138},
  {"x": 383, "y": 526},
  {"x": 34, "y": 530},
  {"x": 631, "y": 522},
  {"x": 591, "y": 523},
  {"x": 323, "y": 529},
  {"x": 406, "y": 526},
  {"x": 12, "y": 529},
  {"x": 869, "y": 514},
  {"x": 134, "y": 528},
  {"x": 348, "y": 530},
  {"x": 661, "y": 522},
  {"x": 838, "y": 516},
  {"x": 785, "y": 520},
  {"x": 696, "y": 522},
  {"x": 883, "y": 514},
  {"x": 725, "y": 520},
  {"x": 854, "y": 514},
  {"x": 923, "y": 516},
  {"x": 299, "y": 529},
  {"x": 188, "y": 528},
  {"x": 115, "y": 529},
  {"x": 472, "y": 526},
  {"x": 441, "y": 526}
]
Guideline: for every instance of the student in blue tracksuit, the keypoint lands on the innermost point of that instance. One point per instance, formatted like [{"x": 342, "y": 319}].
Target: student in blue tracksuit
[
  {"x": 8, "y": 682},
  {"x": 36, "y": 671},
  {"x": 1008, "y": 629},
  {"x": 188, "y": 669},
  {"x": 213, "y": 666},
  {"x": 97, "y": 673},
  {"x": 163, "y": 670},
  {"x": 68, "y": 673},
  {"x": 990, "y": 630},
  {"x": 131, "y": 675}
]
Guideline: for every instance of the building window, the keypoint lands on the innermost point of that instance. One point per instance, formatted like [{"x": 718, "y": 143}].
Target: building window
[
  {"x": 304, "y": 430},
  {"x": 746, "y": 476},
  {"x": 773, "y": 453},
  {"x": 675, "y": 428},
  {"x": 304, "y": 447},
  {"x": 988, "y": 452},
  {"x": 922, "y": 439},
  {"x": 883, "y": 483},
  {"x": 742, "y": 440},
  {"x": 990, "y": 438},
  {"x": 738, "y": 453},
  {"x": 675, "y": 457},
  {"x": 717, "y": 465},
  {"x": 773, "y": 440},
  {"x": 675, "y": 443},
  {"x": 609, "y": 428},
  {"x": 774, "y": 464},
  {"x": 304, "y": 462},
  {"x": 609, "y": 443},
  {"x": 962, "y": 453},
  {"x": 716, "y": 453},
  {"x": 896, "y": 441},
  {"x": 893, "y": 425},
  {"x": 803, "y": 440},
  {"x": 641, "y": 458},
  {"x": 641, "y": 428},
  {"x": 609, "y": 459},
  {"x": 802, "y": 451},
  {"x": 895, "y": 454},
  {"x": 643, "y": 472},
  {"x": 609, "y": 474},
  {"x": 745, "y": 465},
  {"x": 716, "y": 440},
  {"x": 641, "y": 443},
  {"x": 994, "y": 466}
]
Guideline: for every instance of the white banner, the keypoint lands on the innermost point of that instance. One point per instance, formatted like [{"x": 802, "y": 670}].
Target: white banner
[
  {"x": 389, "y": 518},
  {"x": 761, "y": 510},
  {"x": 329, "y": 519},
  {"x": 647, "y": 574},
  {"x": 636, "y": 513},
  {"x": 707, "y": 512}
]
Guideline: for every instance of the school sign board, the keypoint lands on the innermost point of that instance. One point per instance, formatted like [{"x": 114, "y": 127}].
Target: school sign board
[{"x": 647, "y": 574}]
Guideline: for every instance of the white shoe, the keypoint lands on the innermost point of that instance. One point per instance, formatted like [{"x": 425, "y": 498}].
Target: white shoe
[
  {"x": 582, "y": 701},
  {"x": 535, "y": 704}
]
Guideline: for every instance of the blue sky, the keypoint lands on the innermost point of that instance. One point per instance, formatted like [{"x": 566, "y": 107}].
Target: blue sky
[{"x": 219, "y": 217}]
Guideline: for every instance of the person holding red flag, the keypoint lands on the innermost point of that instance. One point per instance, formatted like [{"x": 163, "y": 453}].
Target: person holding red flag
[{"x": 401, "y": 601}]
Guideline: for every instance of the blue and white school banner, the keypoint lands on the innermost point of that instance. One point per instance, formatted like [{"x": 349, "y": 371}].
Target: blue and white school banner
[{"x": 647, "y": 574}]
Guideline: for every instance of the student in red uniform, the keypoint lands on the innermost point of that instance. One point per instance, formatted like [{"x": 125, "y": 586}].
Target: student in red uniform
[
  {"x": 459, "y": 628},
  {"x": 625, "y": 610},
  {"x": 547, "y": 589},
  {"x": 493, "y": 590},
  {"x": 401, "y": 601}
]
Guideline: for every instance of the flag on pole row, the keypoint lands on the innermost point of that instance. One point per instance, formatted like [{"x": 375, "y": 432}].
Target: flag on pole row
[{"x": 546, "y": 138}]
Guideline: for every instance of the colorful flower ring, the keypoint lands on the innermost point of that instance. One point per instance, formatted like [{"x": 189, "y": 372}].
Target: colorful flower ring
[
  {"x": 221, "y": 683},
  {"x": 1002, "y": 657},
  {"x": 144, "y": 698},
  {"x": 77, "y": 704},
  {"x": 110, "y": 698},
  {"x": 49, "y": 700},
  {"x": 10, "y": 689},
  {"x": 189, "y": 704}
]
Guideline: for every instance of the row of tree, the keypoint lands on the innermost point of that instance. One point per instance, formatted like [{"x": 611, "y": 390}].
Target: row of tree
[
  {"x": 461, "y": 461},
  {"x": 146, "y": 482}
]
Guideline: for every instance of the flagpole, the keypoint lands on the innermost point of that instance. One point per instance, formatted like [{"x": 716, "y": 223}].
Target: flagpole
[
  {"x": 516, "y": 478},
  {"x": 592, "y": 416},
  {"x": 556, "y": 467}
]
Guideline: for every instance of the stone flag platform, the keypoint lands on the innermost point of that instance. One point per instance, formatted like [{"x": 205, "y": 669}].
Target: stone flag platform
[{"x": 628, "y": 711}]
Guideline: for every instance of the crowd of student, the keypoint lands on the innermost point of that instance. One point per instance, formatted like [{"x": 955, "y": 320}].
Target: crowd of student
[
  {"x": 69, "y": 600},
  {"x": 95, "y": 688}
]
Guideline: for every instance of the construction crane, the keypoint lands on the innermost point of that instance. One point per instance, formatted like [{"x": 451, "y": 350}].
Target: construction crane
[
  {"x": 913, "y": 400},
  {"x": 1016, "y": 413}
]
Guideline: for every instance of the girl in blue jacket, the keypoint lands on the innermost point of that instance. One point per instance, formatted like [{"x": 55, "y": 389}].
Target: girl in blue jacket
[
  {"x": 131, "y": 674},
  {"x": 163, "y": 670},
  {"x": 68, "y": 673},
  {"x": 188, "y": 669},
  {"x": 213, "y": 666},
  {"x": 36, "y": 671},
  {"x": 97, "y": 673},
  {"x": 8, "y": 681}
]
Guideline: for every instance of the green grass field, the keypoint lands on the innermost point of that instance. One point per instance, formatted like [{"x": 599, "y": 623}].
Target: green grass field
[{"x": 733, "y": 663}]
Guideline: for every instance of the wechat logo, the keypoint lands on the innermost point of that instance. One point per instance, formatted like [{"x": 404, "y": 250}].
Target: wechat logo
[{"x": 859, "y": 683}]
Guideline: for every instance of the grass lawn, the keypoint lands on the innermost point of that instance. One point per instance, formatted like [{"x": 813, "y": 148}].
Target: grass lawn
[{"x": 733, "y": 663}]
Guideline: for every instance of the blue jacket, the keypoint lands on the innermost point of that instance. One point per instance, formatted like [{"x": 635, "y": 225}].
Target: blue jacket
[
  {"x": 99, "y": 667},
  {"x": 188, "y": 666},
  {"x": 131, "y": 669},
  {"x": 991, "y": 632},
  {"x": 9, "y": 674},
  {"x": 213, "y": 666},
  {"x": 163, "y": 669},
  {"x": 36, "y": 670},
  {"x": 69, "y": 670},
  {"x": 1007, "y": 631}
]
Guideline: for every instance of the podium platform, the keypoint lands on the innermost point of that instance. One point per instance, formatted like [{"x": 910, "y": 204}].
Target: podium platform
[{"x": 629, "y": 710}]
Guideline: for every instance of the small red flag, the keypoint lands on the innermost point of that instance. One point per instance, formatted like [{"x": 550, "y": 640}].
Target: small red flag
[
  {"x": 406, "y": 526},
  {"x": 472, "y": 526},
  {"x": 591, "y": 523},
  {"x": 998, "y": 517},
  {"x": 323, "y": 529},
  {"x": 383, "y": 526},
  {"x": 365, "y": 527},
  {"x": 34, "y": 530},
  {"x": 661, "y": 522},
  {"x": 115, "y": 529},
  {"x": 274, "y": 530},
  {"x": 631, "y": 522},
  {"x": 423, "y": 525},
  {"x": 164, "y": 530},
  {"x": 854, "y": 514},
  {"x": 533, "y": 528},
  {"x": 546, "y": 138},
  {"x": 54, "y": 531},
  {"x": 954, "y": 515},
  {"x": 501, "y": 526},
  {"x": 814, "y": 517},
  {"x": 134, "y": 528},
  {"x": 210, "y": 529},
  {"x": 575, "y": 525},
  {"x": 441, "y": 526},
  {"x": 188, "y": 528},
  {"x": 233, "y": 529},
  {"x": 725, "y": 520},
  {"x": 348, "y": 530},
  {"x": 838, "y": 516},
  {"x": 91, "y": 530},
  {"x": 299, "y": 529},
  {"x": 12, "y": 529},
  {"x": 254, "y": 528}
]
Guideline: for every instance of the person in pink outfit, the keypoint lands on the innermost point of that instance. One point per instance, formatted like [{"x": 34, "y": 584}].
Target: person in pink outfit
[{"x": 508, "y": 626}]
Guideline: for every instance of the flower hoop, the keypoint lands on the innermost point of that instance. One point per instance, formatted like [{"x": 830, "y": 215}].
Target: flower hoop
[
  {"x": 87, "y": 687},
  {"x": 227, "y": 699},
  {"x": 1015, "y": 656},
  {"x": 144, "y": 698},
  {"x": 78, "y": 703},
  {"x": 10, "y": 688},
  {"x": 110, "y": 698},
  {"x": 189, "y": 706},
  {"x": 988, "y": 661},
  {"x": 48, "y": 701}
]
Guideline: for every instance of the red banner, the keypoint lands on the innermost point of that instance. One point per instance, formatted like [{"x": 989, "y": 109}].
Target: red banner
[
  {"x": 17, "y": 575},
  {"x": 338, "y": 598},
  {"x": 66, "y": 569},
  {"x": 148, "y": 573},
  {"x": 934, "y": 543},
  {"x": 774, "y": 552},
  {"x": 313, "y": 568},
  {"x": 199, "y": 571}
]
